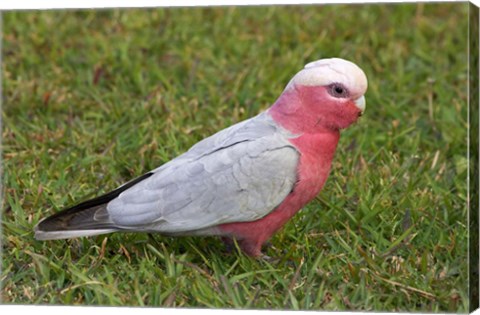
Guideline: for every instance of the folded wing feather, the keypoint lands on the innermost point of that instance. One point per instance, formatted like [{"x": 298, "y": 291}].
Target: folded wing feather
[{"x": 239, "y": 174}]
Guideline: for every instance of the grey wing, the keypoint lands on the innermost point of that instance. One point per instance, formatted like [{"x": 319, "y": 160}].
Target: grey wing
[
  {"x": 242, "y": 177},
  {"x": 257, "y": 127}
]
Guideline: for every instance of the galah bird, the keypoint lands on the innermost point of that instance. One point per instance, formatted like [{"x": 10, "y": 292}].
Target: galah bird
[{"x": 244, "y": 182}]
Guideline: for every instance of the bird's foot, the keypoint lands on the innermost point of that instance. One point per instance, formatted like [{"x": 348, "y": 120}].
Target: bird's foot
[{"x": 269, "y": 259}]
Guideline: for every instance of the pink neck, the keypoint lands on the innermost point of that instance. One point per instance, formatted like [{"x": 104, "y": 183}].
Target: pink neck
[{"x": 289, "y": 112}]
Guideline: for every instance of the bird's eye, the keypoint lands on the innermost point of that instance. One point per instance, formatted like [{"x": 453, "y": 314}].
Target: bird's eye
[{"x": 338, "y": 90}]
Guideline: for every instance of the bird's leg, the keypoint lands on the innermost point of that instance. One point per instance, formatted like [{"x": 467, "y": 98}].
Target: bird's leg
[
  {"x": 249, "y": 247},
  {"x": 252, "y": 248}
]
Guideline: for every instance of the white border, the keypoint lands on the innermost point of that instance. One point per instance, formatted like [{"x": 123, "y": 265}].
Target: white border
[
  {"x": 72, "y": 4},
  {"x": 58, "y": 4}
]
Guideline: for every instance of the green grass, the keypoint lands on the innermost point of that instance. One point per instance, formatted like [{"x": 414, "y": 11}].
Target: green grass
[{"x": 95, "y": 98}]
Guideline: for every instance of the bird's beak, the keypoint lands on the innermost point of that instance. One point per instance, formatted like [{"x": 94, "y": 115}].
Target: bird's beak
[{"x": 360, "y": 103}]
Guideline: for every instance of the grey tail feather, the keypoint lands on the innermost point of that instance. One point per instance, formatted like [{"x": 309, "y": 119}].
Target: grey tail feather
[{"x": 84, "y": 219}]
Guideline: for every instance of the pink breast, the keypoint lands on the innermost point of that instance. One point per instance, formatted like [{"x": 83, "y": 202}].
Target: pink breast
[{"x": 317, "y": 151}]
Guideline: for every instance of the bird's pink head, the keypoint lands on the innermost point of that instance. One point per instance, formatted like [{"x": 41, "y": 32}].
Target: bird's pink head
[{"x": 328, "y": 94}]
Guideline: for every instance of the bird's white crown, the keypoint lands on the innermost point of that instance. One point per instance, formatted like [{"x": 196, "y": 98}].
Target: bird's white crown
[{"x": 333, "y": 70}]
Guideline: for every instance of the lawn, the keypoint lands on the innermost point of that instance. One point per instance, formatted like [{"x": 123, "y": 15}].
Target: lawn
[{"x": 94, "y": 98}]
